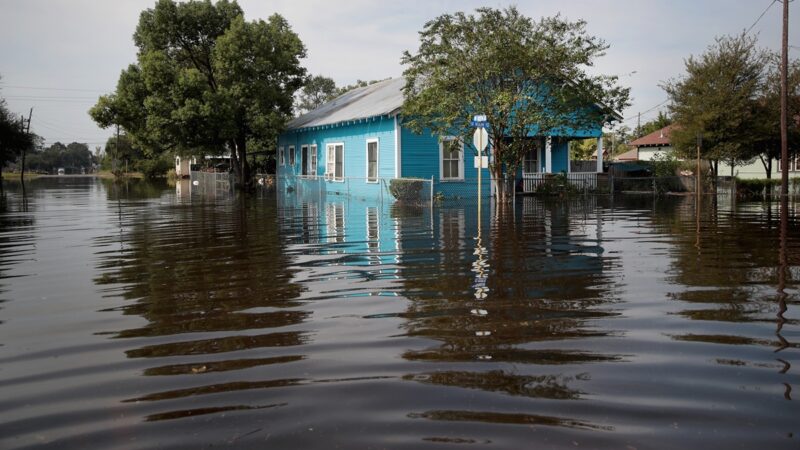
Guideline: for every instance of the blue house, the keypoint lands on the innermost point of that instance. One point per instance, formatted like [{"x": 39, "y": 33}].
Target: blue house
[{"x": 356, "y": 144}]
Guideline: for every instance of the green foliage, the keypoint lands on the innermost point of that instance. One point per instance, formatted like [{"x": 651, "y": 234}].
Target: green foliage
[
  {"x": 526, "y": 76},
  {"x": 716, "y": 99},
  {"x": 74, "y": 156},
  {"x": 664, "y": 165},
  {"x": 157, "y": 167},
  {"x": 358, "y": 84},
  {"x": 663, "y": 120},
  {"x": 13, "y": 138},
  {"x": 206, "y": 81},
  {"x": 405, "y": 190},
  {"x": 316, "y": 91},
  {"x": 766, "y": 111},
  {"x": 756, "y": 188},
  {"x": 557, "y": 184}
]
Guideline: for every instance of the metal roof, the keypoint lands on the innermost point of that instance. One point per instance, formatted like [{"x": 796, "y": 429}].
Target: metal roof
[{"x": 379, "y": 99}]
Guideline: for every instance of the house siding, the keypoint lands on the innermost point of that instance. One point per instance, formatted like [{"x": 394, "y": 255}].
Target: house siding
[
  {"x": 354, "y": 137},
  {"x": 421, "y": 159}
]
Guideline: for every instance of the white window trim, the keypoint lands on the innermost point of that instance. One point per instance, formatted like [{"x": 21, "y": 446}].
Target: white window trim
[
  {"x": 281, "y": 156},
  {"x": 441, "y": 159},
  {"x": 312, "y": 161},
  {"x": 377, "y": 160},
  {"x": 332, "y": 176},
  {"x": 292, "y": 156}
]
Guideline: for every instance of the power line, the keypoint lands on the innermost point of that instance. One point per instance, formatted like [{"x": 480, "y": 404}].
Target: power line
[
  {"x": 762, "y": 15},
  {"x": 16, "y": 86}
]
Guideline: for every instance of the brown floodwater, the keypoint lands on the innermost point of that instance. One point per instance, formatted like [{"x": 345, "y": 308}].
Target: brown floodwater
[{"x": 140, "y": 316}]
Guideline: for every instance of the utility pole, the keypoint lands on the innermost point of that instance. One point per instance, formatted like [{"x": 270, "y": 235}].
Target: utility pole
[
  {"x": 639, "y": 126},
  {"x": 24, "y": 150},
  {"x": 116, "y": 153},
  {"x": 784, "y": 95}
]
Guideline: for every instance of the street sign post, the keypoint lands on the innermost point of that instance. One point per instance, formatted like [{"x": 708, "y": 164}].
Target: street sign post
[{"x": 480, "y": 139}]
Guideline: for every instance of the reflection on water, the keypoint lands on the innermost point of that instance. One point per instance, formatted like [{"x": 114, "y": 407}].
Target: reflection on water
[{"x": 144, "y": 315}]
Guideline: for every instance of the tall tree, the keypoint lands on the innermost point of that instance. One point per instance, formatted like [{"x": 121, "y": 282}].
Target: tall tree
[
  {"x": 528, "y": 77},
  {"x": 13, "y": 137},
  {"x": 206, "y": 80},
  {"x": 715, "y": 99},
  {"x": 767, "y": 116},
  {"x": 661, "y": 121},
  {"x": 317, "y": 90}
]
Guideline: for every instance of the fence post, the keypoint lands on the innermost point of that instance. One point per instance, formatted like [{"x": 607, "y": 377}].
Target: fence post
[{"x": 431, "y": 192}]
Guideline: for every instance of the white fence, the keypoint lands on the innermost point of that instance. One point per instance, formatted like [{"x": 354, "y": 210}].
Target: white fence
[{"x": 583, "y": 180}]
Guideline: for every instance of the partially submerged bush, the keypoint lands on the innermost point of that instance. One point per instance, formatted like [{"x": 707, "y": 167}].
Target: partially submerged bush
[
  {"x": 156, "y": 167},
  {"x": 756, "y": 188},
  {"x": 557, "y": 184},
  {"x": 405, "y": 190}
]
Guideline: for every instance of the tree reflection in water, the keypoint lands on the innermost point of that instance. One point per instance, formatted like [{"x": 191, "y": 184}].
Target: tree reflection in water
[{"x": 501, "y": 316}]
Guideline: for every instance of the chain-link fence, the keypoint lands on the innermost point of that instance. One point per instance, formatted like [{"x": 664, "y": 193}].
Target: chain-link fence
[
  {"x": 211, "y": 184},
  {"x": 416, "y": 191}
]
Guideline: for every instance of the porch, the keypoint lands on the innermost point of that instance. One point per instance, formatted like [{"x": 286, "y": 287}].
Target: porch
[{"x": 582, "y": 180}]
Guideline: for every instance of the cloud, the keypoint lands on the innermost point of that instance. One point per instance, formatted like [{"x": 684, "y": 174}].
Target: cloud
[{"x": 84, "y": 44}]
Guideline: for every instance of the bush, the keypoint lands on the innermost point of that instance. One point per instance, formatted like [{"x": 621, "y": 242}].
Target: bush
[
  {"x": 756, "y": 188},
  {"x": 155, "y": 168},
  {"x": 405, "y": 190},
  {"x": 556, "y": 185}
]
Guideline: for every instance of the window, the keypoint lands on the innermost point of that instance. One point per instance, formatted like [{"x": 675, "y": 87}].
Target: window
[
  {"x": 531, "y": 162},
  {"x": 291, "y": 155},
  {"x": 334, "y": 162},
  {"x": 281, "y": 156},
  {"x": 452, "y": 159},
  {"x": 313, "y": 161},
  {"x": 334, "y": 218},
  {"x": 304, "y": 160},
  {"x": 372, "y": 161}
]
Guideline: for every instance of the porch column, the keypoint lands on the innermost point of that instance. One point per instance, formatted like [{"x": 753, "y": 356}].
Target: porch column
[
  {"x": 548, "y": 155},
  {"x": 600, "y": 154}
]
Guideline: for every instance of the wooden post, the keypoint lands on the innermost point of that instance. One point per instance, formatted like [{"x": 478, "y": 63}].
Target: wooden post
[{"x": 784, "y": 95}]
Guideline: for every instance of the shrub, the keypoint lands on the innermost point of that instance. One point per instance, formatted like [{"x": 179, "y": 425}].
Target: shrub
[
  {"x": 405, "y": 190},
  {"x": 557, "y": 184},
  {"x": 755, "y": 188},
  {"x": 155, "y": 168}
]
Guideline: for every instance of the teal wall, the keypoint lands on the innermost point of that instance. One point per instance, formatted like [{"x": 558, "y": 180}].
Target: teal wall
[
  {"x": 354, "y": 137},
  {"x": 421, "y": 159}
]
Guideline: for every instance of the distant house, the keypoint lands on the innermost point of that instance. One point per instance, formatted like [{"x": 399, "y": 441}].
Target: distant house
[
  {"x": 630, "y": 155},
  {"x": 655, "y": 143},
  {"x": 659, "y": 143},
  {"x": 356, "y": 143}
]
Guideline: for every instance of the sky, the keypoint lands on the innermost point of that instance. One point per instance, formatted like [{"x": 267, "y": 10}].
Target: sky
[{"x": 58, "y": 56}]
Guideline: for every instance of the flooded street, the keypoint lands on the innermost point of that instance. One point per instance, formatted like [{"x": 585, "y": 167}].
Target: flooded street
[{"x": 132, "y": 316}]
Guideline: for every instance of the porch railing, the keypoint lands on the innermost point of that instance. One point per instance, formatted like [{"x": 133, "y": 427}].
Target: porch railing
[{"x": 583, "y": 180}]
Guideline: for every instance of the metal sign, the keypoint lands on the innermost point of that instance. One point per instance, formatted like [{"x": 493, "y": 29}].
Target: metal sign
[
  {"x": 481, "y": 162},
  {"x": 479, "y": 121},
  {"x": 480, "y": 139}
]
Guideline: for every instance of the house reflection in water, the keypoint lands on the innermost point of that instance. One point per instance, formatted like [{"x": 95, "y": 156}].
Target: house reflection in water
[{"x": 511, "y": 313}]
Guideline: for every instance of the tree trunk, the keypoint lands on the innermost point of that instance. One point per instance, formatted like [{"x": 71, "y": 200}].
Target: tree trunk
[
  {"x": 242, "y": 168},
  {"x": 767, "y": 163},
  {"x": 22, "y": 167},
  {"x": 498, "y": 183}
]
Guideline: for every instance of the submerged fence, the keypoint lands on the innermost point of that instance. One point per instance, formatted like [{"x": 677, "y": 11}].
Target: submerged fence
[{"x": 211, "y": 184}]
